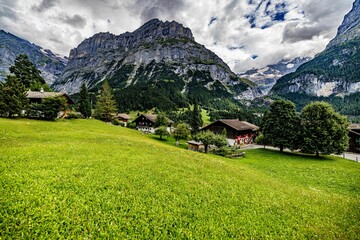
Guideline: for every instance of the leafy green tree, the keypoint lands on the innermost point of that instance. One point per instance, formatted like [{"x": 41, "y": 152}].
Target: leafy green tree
[
  {"x": 28, "y": 74},
  {"x": 12, "y": 97},
  {"x": 106, "y": 105},
  {"x": 161, "y": 120},
  {"x": 209, "y": 138},
  {"x": 280, "y": 126},
  {"x": 182, "y": 131},
  {"x": 161, "y": 131},
  {"x": 324, "y": 130},
  {"x": 196, "y": 121},
  {"x": 84, "y": 102},
  {"x": 51, "y": 107}
]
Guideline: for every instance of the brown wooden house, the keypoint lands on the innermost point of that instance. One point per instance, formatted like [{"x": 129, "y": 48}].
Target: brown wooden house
[
  {"x": 241, "y": 131},
  {"x": 38, "y": 96},
  {"x": 354, "y": 134},
  {"x": 146, "y": 122},
  {"x": 122, "y": 117}
]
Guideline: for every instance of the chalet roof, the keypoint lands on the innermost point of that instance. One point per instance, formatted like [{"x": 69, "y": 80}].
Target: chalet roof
[
  {"x": 354, "y": 126},
  {"x": 152, "y": 118},
  {"x": 236, "y": 124},
  {"x": 41, "y": 95},
  {"x": 123, "y": 116},
  {"x": 192, "y": 142}
]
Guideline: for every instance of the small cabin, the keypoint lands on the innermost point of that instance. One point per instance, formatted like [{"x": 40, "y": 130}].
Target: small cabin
[
  {"x": 146, "y": 123},
  {"x": 354, "y": 134},
  {"x": 196, "y": 146},
  {"x": 38, "y": 96},
  {"x": 122, "y": 117},
  {"x": 238, "y": 132}
]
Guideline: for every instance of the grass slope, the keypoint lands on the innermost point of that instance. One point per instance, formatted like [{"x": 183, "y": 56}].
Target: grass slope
[{"x": 87, "y": 179}]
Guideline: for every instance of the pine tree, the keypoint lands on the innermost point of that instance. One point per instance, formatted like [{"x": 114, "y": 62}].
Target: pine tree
[
  {"x": 196, "y": 121},
  {"x": 84, "y": 102},
  {"x": 106, "y": 105},
  {"x": 28, "y": 74},
  {"x": 12, "y": 97}
]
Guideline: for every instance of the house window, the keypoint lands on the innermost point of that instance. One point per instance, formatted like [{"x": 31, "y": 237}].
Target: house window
[{"x": 357, "y": 140}]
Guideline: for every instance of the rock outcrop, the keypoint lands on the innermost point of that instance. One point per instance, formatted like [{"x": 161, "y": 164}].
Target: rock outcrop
[
  {"x": 335, "y": 71},
  {"x": 50, "y": 64},
  {"x": 159, "y": 54}
]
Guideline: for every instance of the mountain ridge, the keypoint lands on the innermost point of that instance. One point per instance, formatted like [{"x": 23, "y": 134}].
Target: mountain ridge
[
  {"x": 159, "y": 55},
  {"x": 333, "y": 72},
  {"x": 51, "y": 65}
]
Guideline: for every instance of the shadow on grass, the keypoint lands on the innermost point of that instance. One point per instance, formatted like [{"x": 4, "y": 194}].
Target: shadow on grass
[
  {"x": 169, "y": 141},
  {"x": 296, "y": 155}
]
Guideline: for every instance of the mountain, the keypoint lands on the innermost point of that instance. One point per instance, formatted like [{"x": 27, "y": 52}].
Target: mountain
[
  {"x": 50, "y": 64},
  {"x": 156, "y": 65},
  {"x": 266, "y": 77},
  {"x": 335, "y": 71}
]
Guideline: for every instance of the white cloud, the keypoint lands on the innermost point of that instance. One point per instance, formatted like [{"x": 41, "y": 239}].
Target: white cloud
[{"x": 307, "y": 27}]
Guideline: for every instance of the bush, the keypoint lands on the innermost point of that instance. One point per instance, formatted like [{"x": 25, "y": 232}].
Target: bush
[
  {"x": 131, "y": 125},
  {"x": 73, "y": 115},
  {"x": 116, "y": 122}
]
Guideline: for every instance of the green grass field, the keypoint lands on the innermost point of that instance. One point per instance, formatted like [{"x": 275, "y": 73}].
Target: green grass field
[{"x": 84, "y": 179}]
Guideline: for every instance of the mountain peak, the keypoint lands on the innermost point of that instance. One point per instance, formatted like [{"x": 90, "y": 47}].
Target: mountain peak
[{"x": 350, "y": 27}]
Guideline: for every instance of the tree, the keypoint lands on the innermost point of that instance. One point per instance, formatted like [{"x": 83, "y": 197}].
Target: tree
[
  {"x": 28, "y": 74},
  {"x": 84, "y": 102},
  {"x": 182, "y": 131},
  {"x": 106, "y": 105},
  {"x": 324, "y": 130},
  {"x": 208, "y": 138},
  {"x": 196, "y": 121},
  {"x": 161, "y": 120},
  {"x": 161, "y": 131},
  {"x": 12, "y": 97},
  {"x": 280, "y": 126},
  {"x": 51, "y": 107}
]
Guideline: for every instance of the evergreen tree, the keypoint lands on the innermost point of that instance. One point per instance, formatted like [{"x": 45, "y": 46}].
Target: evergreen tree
[
  {"x": 280, "y": 126},
  {"x": 324, "y": 130},
  {"x": 106, "y": 105},
  {"x": 12, "y": 97},
  {"x": 28, "y": 74},
  {"x": 196, "y": 121},
  {"x": 84, "y": 102}
]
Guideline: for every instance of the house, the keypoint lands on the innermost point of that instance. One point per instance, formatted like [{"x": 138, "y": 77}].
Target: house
[
  {"x": 37, "y": 97},
  {"x": 238, "y": 132},
  {"x": 146, "y": 123},
  {"x": 354, "y": 134},
  {"x": 195, "y": 146},
  {"x": 122, "y": 117}
]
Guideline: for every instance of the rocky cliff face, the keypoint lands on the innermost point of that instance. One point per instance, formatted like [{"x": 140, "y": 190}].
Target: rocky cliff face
[
  {"x": 50, "y": 64},
  {"x": 158, "y": 54},
  {"x": 334, "y": 72}
]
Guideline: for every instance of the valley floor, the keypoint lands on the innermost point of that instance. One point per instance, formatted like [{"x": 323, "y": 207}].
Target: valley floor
[{"x": 87, "y": 179}]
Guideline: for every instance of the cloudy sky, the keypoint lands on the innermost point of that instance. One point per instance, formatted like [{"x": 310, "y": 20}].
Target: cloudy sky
[{"x": 244, "y": 33}]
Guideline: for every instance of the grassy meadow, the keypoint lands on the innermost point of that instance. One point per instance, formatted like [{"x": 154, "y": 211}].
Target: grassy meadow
[{"x": 84, "y": 179}]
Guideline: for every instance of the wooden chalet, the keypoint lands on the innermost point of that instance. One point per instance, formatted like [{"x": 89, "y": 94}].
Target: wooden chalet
[
  {"x": 146, "y": 122},
  {"x": 122, "y": 117},
  {"x": 38, "y": 96},
  {"x": 240, "y": 132},
  {"x": 354, "y": 134}
]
